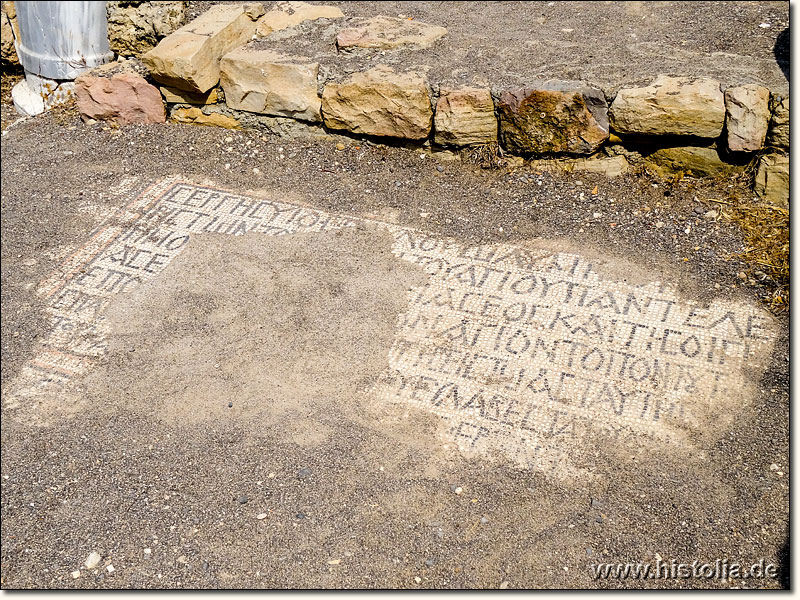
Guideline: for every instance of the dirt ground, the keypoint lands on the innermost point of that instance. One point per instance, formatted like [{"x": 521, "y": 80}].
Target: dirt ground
[
  {"x": 100, "y": 478},
  {"x": 236, "y": 382}
]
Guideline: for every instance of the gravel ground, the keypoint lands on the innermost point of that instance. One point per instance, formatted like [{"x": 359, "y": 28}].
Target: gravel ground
[
  {"x": 610, "y": 44},
  {"x": 102, "y": 479}
]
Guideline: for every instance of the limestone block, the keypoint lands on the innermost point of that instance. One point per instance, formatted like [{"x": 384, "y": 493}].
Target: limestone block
[
  {"x": 188, "y": 59},
  {"x": 670, "y": 106},
  {"x": 699, "y": 161},
  {"x": 195, "y": 116},
  {"x": 379, "y": 102},
  {"x": 465, "y": 117},
  {"x": 772, "y": 179},
  {"x": 778, "y": 135},
  {"x": 747, "y": 108},
  {"x": 553, "y": 117},
  {"x": 266, "y": 82}
]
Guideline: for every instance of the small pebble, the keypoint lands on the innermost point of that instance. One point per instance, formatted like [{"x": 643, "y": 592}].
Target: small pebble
[
  {"x": 75, "y": 574},
  {"x": 110, "y": 568},
  {"x": 430, "y": 562},
  {"x": 417, "y": 579},
  {"x": 92, "y": 560},
  {"x": 484, "y": 520},
  {"x": 230, "y": 404},
  {"x": 261, "y": 516},
  {"x": 243, "y": 499},
  {"x": 458, "y": 490},
  {"x": 300, "y": 516},
  {"x": 503, "y": 585},
  {"x": 440, "y": 168},
  {"x": 340, "y": 146},
  {"x": 303, "y": 473},
  {"x": 148, "y": 551},
  {"x": 773, "y": 467}
]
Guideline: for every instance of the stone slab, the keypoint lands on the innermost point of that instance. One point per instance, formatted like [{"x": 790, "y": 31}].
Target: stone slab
[
  {"x": 697, "y": 161},
  {"x": 290, "y": 14},
  {"x": 176, "y": 96},
  {"x": 610, "y": 166},
  {"x": 195, "y": 116},
  {"x": 388, "y": 33}
]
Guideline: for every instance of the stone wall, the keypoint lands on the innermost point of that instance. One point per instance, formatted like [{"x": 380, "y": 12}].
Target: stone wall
[
  {"x": 136, "y": 27},
  {"x": 8, "y": 32},
  {"x": 233, "y": 67}
]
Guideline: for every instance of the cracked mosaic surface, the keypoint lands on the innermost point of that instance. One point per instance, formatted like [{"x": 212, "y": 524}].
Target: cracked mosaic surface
[{"x": 522, "y": 351}]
